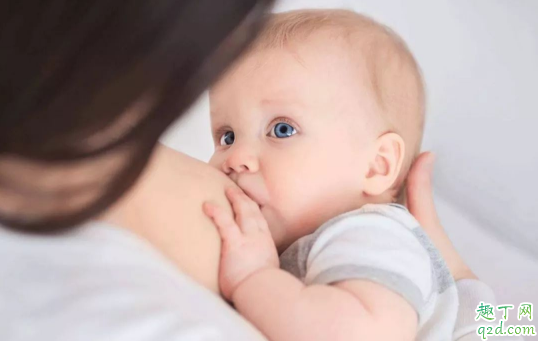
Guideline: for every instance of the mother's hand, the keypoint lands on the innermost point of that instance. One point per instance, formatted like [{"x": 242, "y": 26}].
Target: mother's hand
[{"x": 421, "y": 205}]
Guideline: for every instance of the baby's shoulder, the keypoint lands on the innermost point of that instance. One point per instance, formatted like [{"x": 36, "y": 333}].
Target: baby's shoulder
[
  {"x": 373, "y": 227},
  {"x": 395, "y": 212},
  {"x": 369, "y": 217}
]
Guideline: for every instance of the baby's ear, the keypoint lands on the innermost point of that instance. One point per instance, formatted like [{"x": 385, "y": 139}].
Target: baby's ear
[{"x": 385, "y": 166}]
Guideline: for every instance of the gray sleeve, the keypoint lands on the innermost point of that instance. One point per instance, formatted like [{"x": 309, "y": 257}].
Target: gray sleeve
[{"x": 375, "y": 248}]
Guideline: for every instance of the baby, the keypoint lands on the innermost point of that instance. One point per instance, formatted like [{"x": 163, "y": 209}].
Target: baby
[{"x": 318, "y": 125}]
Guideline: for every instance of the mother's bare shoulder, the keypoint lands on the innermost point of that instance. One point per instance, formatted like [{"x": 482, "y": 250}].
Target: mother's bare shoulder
[{"x": 196, "y": 178}]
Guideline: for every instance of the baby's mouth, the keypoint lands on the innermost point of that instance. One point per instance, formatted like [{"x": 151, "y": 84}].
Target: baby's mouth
[
  {"x": 254, "y": 188},
  {"x": 253, "y": 197}
]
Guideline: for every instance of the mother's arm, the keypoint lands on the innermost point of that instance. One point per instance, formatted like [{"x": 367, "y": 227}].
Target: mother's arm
[
  {"x": 422, "y": 207},
  {"x": 471, "y": 291}
]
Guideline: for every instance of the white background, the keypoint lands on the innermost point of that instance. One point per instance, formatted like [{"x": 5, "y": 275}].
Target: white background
[{"x": 480, "y": 63}]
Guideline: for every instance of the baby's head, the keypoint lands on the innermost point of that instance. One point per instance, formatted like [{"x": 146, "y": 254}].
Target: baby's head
[{"x": 323, "y": 115}]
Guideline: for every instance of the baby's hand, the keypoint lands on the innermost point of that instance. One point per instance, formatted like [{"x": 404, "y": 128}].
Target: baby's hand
[{"x": 247, "y": 245}]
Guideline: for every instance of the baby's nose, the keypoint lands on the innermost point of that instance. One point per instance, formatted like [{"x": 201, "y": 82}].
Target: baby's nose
[{"x": 241, "y": 160}]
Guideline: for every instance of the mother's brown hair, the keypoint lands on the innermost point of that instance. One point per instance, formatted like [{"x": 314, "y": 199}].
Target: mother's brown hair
[{"x": 87, "y": 88}]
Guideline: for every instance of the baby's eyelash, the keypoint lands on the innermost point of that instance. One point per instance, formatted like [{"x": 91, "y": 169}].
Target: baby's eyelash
[
  {"x": 283, "y": 120},
  {"x": 221, "y": 131}
]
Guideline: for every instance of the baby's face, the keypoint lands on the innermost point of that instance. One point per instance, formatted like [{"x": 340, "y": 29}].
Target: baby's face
[{"x": 292, "y": 129}]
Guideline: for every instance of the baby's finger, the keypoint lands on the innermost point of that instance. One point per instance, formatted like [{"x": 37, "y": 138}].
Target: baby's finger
[
  {"x": 226, "y": 225},
  {"x": 255, "y": 213},
  {"x": 245, "y": 210}
]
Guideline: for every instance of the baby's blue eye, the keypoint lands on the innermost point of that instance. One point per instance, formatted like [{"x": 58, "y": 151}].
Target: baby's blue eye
[
  {"x": 283, "y": 130},
  {"x": 227, "y": 138}
]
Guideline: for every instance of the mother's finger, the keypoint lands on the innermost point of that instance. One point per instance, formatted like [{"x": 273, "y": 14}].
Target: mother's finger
[
  {"x": 420, "y": 191},
  {"x": 422, "y": 207}
]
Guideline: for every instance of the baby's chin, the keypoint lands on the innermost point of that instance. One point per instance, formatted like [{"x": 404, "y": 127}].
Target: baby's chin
[
  {"x": 284, "y": 232},
  {"x": 276, "y": 227}
]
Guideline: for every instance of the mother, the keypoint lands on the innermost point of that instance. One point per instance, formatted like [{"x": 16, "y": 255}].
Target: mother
[{"x": 97, "y": 217}]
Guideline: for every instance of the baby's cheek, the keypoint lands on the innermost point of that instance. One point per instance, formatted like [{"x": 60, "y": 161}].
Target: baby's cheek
[
  {"x": 295, "y": 191},
  {"x": 318, "y": 203},
  {"x": 300, "y": 213}
]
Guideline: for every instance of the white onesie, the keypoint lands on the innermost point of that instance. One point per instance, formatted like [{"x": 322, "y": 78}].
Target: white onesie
[{"x": 386, "y": 245}]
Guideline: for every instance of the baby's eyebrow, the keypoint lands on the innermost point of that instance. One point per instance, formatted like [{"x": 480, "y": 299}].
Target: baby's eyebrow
[
  {"x": 217, "y": 116},
  {"x": 273, "y": 101},
  {"x": 282, "y": 103}
]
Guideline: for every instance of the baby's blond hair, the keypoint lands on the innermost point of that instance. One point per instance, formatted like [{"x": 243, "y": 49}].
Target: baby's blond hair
[{"x": 394, "y": 76}]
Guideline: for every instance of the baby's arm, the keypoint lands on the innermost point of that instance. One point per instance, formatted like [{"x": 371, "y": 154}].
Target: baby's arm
[
  {"x": 281, "y": 306},
  {"x": 284, "y": 309}
]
